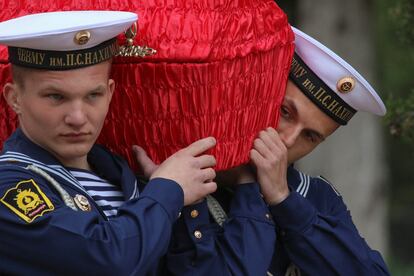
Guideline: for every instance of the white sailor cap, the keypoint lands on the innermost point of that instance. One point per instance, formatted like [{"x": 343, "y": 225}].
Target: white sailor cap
[
  {"x": 64, "y": 40},
  {"x": 330, "y": 82}
]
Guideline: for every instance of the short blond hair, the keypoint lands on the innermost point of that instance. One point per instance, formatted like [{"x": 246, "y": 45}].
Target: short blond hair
[{"x": 18, "y": 74}]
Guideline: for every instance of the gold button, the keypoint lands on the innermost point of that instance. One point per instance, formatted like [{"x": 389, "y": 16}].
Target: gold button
[
  {"x": 82, "y": 37},
  {"x": 345, "y": 85},
  {"x": 198, "y": 234},
  {"x": 194, "y": 213}
]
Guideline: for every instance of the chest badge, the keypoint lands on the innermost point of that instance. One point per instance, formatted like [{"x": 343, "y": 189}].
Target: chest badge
[{"x": 82, "y": 202}]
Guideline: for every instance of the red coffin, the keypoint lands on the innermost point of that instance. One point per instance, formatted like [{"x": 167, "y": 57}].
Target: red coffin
[{"x": 220, "y": 70}]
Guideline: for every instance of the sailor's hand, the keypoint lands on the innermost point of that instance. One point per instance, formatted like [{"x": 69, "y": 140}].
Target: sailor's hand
[
  {"x": 269, "y": 156},
  {"x": 191, "y": 170},
  {"x": 146, "y": 165}
]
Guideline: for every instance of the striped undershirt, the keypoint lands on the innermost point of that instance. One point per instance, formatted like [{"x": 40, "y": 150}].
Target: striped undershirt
[{"x": 108, "y": 196}]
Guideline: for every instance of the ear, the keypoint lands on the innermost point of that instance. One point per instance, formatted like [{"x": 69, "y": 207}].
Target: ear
[
  {"x": 111, "y": 86},
  {"x": 11, "y": 95}
]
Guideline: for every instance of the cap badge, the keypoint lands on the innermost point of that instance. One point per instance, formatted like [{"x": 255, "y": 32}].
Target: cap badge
[
  {"x": 345, "y": 85},
  {"x": 82, "y": 202},
  {"x": 82, "y": 37},
  {"x": 131, "y": 50}
]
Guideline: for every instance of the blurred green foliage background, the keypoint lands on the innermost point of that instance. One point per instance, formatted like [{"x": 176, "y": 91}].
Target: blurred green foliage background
[{"x": 395, "y": 40}]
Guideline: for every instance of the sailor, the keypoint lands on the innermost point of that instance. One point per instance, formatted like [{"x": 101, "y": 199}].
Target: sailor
[
  {"x": 315, "y": 231},
  {"x": 67, "y": 205}
]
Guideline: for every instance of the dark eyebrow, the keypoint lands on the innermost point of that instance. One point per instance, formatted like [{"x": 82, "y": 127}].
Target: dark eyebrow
[{"x": 292, "y": 106}]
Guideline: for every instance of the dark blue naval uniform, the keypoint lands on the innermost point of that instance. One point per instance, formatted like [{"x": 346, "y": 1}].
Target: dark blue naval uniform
[
  {"x": 42, "y": 231},
  {"x": 243, "y": 245},
  {"x": 40, "y": 235},
  {"x": 315, "y": 232}
]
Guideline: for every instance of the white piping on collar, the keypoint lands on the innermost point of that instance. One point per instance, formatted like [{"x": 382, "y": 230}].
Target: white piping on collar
[
  {"x": 303, "y": 187},
  {"x": 135, "y": 193}
]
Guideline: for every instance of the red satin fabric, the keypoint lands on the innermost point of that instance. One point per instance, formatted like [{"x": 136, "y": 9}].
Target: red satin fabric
[{"x": 220, "y": 69}]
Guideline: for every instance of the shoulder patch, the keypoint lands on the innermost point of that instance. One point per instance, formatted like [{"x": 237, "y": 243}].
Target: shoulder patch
[
  {"x": 330, "y": 184},
  {"x": 27, "y": 200}
]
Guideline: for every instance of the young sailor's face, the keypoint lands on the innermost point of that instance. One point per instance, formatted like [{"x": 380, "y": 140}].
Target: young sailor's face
[
  {"x": 64, "y": 111},
  {"x": 302, "y": 124}
]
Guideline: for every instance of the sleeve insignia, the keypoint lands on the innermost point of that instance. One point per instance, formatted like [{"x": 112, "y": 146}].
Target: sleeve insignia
[{"x": 27, "y": 200}]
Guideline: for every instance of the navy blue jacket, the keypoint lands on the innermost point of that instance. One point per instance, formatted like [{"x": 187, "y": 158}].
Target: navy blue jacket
[
  {"x": 242, "y": 246},
  {"x": 315, "y": 236},
  {"x": 316, "y": 232},
  {"x": 40, "y": 235}
]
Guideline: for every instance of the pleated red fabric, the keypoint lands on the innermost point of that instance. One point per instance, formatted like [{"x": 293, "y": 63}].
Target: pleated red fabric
[{"x": 220, "y": 70}]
